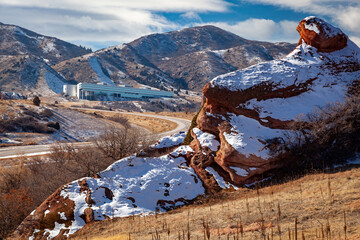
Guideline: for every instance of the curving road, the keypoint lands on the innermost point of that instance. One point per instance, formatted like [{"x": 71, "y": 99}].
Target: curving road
[{"x": 37, "y": 150}]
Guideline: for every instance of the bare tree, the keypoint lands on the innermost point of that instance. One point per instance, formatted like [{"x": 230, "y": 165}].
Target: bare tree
[{"x": 120, "y": 143}]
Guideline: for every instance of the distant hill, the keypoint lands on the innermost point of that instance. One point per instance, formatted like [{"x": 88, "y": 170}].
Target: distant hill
[
  {"x": 16, "y": 40},
  {"x": 188, "y": 58},
  {"x": 26, "y": 58},
  {"x": 185, "y": 59}
]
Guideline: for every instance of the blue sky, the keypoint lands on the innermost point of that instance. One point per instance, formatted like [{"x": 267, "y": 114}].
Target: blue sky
[{"x": 98, "y": 24}]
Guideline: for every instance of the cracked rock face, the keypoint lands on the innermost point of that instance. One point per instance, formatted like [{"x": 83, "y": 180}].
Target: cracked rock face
[{"x": 246, "y": 108}]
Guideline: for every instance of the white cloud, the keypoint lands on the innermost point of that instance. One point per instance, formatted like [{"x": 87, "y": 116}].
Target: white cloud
[
  {"x": 99, "y": 21},
  {"x": 263, "y": 29},
  {"x": 191, "y": 16},
  {"x": 113, "y": 6},
  {"x": 356, "y": 40},
  {"x": 343, "y": 13}
]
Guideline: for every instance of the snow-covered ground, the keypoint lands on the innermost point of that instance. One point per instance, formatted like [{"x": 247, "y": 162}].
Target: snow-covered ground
[
  {"x": 169, "y": 141},
  {"x": 134, "y": 186}
]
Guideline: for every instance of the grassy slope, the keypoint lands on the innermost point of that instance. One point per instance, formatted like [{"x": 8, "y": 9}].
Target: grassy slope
[{"x": 316, "y": 201}]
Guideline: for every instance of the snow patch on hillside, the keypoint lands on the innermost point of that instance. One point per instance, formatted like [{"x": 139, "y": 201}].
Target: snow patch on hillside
[
  {"x": 95, "y": 65},
  {"x": 54, "y": 83},
  {"x": 49, "y": 47}
]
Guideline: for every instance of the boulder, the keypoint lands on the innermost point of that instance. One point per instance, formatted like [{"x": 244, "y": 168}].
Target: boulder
[
  {"x": 321, "y": 35},
  {"x": 247, "y": 109}
]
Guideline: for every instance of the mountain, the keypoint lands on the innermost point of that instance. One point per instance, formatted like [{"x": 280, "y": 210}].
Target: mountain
[
  {"x": 242, "y": 111},
  {"x": 29, "y": 74},
  {"x": 15, "y": 40},
  {"x": 188, "y": 59},
  {"x": 114, "y": 65},
  {"x": 26, "y": 58}
]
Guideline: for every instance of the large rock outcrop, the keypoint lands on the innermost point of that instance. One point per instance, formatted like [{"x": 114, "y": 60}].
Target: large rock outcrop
[{"x": 244, "y": 109}]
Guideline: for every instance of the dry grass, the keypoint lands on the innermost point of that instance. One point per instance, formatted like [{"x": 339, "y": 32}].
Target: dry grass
[
  {"x": 154, "y": 125},
  {"x": 184, "y": 115},
  {"x": 316, "y": 206}
]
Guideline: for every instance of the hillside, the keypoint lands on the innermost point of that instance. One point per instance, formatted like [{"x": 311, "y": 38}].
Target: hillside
[
  {"x": 188, "y": 59},
  {"x": 29, "y": 75},
  {"x": 26, "y": 58},
  {"x": 15, "y": 40}
]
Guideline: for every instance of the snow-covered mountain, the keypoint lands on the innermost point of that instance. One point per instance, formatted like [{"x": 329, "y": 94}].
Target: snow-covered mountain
[{"x": 185, "y": 59}]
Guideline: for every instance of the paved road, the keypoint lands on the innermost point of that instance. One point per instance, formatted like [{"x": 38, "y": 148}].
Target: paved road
[{"x": 36, "y": 150}]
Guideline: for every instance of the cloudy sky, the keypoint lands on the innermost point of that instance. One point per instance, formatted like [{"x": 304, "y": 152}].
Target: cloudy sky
[{"x": 102, "y": 23}]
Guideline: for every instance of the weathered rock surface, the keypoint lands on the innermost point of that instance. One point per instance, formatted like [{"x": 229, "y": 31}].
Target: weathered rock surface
[
  {"x": 244, "y": 109},
  {"x": 321, "y": 35}
]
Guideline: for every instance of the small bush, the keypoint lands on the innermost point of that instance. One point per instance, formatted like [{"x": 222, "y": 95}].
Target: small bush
[
  {"x": 188, "y": 137},
  {"x": 46, "y": 113},
  {"x": 54, "y": 125},
  {"x": 123, "y": 121},
  {"x": 36, "y": 101}
]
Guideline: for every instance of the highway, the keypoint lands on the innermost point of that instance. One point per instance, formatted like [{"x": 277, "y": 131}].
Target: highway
[{"x": 37, "y": 150}]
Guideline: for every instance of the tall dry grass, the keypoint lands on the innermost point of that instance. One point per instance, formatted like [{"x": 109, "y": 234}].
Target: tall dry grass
[{"x": 316, "y": 206}]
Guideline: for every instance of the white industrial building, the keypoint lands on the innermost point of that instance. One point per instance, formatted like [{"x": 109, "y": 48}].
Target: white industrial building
[{"x": 106, "y": 92}]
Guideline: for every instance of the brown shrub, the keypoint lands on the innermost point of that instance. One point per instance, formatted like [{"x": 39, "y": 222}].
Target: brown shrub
[{"x": 327, "y": 136}]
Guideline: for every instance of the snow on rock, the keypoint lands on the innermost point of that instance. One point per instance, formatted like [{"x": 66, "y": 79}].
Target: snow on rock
[
  {"x": 206, "y": 139},
  {"x": 170, "y": 141},
  {"x": 247, "y": 108},
  {"x": 222, "y": 183},
  {"x": 248, "y": 136},
  {"x": 132, "y": 185}
]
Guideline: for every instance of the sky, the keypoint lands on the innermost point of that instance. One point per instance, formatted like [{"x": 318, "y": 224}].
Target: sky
[{"x": 102, "y": 23}]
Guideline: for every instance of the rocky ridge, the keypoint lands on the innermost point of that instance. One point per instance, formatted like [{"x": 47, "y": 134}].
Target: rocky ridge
[{"x": 16, "y": 40}]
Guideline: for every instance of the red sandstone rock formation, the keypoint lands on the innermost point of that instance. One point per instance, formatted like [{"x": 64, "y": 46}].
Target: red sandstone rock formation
[
  {"x": 317, "y": 33},
  {"x": 246, "y": 108}
]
